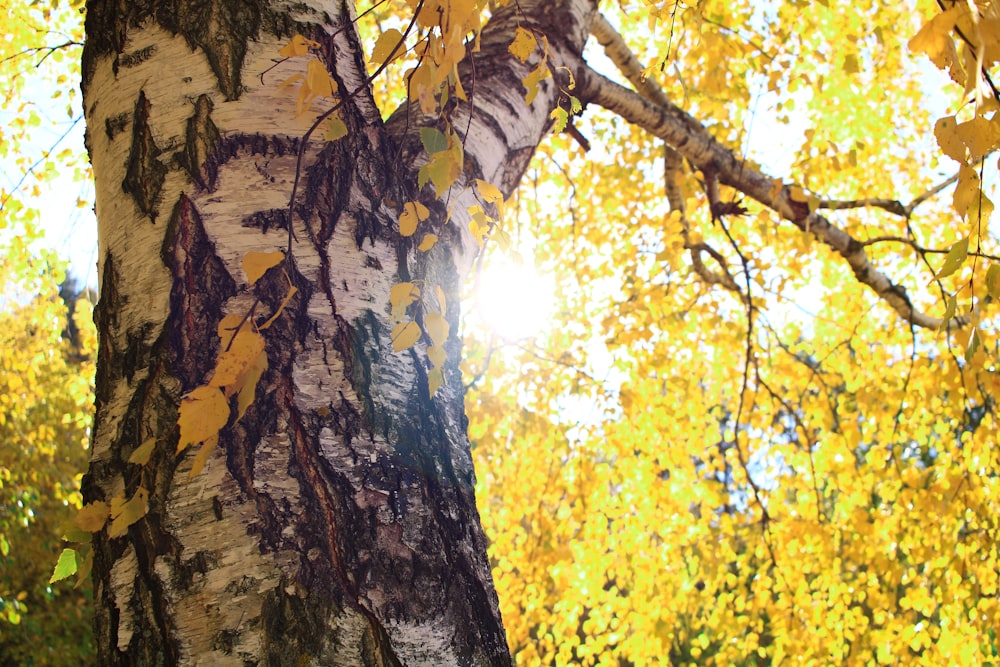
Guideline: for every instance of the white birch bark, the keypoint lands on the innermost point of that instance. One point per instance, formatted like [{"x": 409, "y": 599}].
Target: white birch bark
[{"x": 335, "y": 523}]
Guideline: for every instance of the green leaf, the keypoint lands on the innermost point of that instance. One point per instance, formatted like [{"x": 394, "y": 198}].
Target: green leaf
[
  {"x": 336, "y": 128},
  {"x": 65, "y": 567},
  {"x": 561, "y": 117},
  {"x": 434, "y": 140}
]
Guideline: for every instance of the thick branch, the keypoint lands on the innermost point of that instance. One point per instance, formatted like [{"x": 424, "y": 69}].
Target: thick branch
[
  {"x": 621, "y": 55},
  {"x": 694, "y": 142}
]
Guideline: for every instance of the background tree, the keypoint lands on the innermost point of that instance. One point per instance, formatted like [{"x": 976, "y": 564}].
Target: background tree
[
  {"x": 790, "y": 474},
  {"x": 45, "y": 396},
  {"x": 47, "y": 342}
]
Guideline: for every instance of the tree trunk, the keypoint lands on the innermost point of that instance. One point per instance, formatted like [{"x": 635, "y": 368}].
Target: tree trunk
[{"x": 335, "y": 523}]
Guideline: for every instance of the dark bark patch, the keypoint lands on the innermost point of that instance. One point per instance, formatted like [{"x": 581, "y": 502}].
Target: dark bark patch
[
  {"x": 222, "y": 29},
  {"x": 272, "y": 218},
  {"x": 115, "y": 125},
  {"x": 233, "y": 146},
  {"x": 201, "y": 285},
  {"x": 200, "y": 139},
  {"x": 293, "y": 631},
  {"x": 144, "y": 174},
  {"x": 137, "y": 57}
]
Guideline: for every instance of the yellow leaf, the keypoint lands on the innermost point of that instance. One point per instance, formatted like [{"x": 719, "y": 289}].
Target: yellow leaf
[
  {"x": 435, "y": 378},
  {"x": 403, "y": 294},
  {"x": 797, "y": 193},
  {"x": 437, "y": 355},
  {"x": 980, "y": 136},
  {"x": 967, "y": 189},
  {"x": 246, "y": 388},
  {"x": 489, "y": 192},
  {"x": 233, "y": 363},
  {"x": 561, "y": 117},
  {"x": 202, "y": 414},
  {"x": 443, "y": 169},
  {"x": 427, "y": 242},
  {"x": 851, "y": 64},
  {"x": 935, "y": 39},
  {"x": 292, "y": 289},
  {"x": 404, "y": 335},
  {"x": 955, "y": 258},
  {"x": 92, "y": 516},
  {"x": 437, "y": 327},
  {"x": 442, "y": 304},
  {"x": 413, "y": 212},
  {"x": 993, "y": 280},
  {"x": 227, "y": 328},
  {"x": 320, "y": 83},
  {"x": 385, "y": 45},
  {"x": 142, "y": 452},
  {"x": 202, "y": 456},
  {"x": 522, "y": 46},
  {"x": 531, "y": 81},
  {"x": 256, "y": 264},
  {"x": 126, "y": 512},
  {"x": 946, "y": 131},
  {"x": 299, "y": 46}
]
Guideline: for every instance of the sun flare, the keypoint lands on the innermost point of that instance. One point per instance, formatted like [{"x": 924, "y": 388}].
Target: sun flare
[{"x": 514, "y": 300}]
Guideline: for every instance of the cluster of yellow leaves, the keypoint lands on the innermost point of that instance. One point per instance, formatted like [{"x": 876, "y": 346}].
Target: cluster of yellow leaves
[
  {"x": 46, "y": 382},
  {"x": 203, "y": 413},
  {"x": 407, "y": 332},
  {"x": 964, "y": 41},
  {"x": 445, "y": 29},
  {"x": 624, "y": 526},
  {"x": 45, "y": 400},
  {"x": 316, "y": 83}
]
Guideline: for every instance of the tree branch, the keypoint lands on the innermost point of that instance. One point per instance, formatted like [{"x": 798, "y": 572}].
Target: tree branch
[
  {"x": 687, "y": 136},
  {"x": 621, "y": 55}
]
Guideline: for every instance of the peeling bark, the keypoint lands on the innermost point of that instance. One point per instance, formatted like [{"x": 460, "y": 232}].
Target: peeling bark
[{"x": 336, "y": 522}]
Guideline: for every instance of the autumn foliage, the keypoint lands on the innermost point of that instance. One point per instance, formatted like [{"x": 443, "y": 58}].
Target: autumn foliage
[{"x": 729, "y": 443}]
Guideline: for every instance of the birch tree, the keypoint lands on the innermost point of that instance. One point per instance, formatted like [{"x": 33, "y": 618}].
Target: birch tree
[{"x": 281, "y": 472}]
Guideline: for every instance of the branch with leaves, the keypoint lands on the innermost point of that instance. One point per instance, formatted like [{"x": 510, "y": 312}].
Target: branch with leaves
[{"x": 658, "y": 115}]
